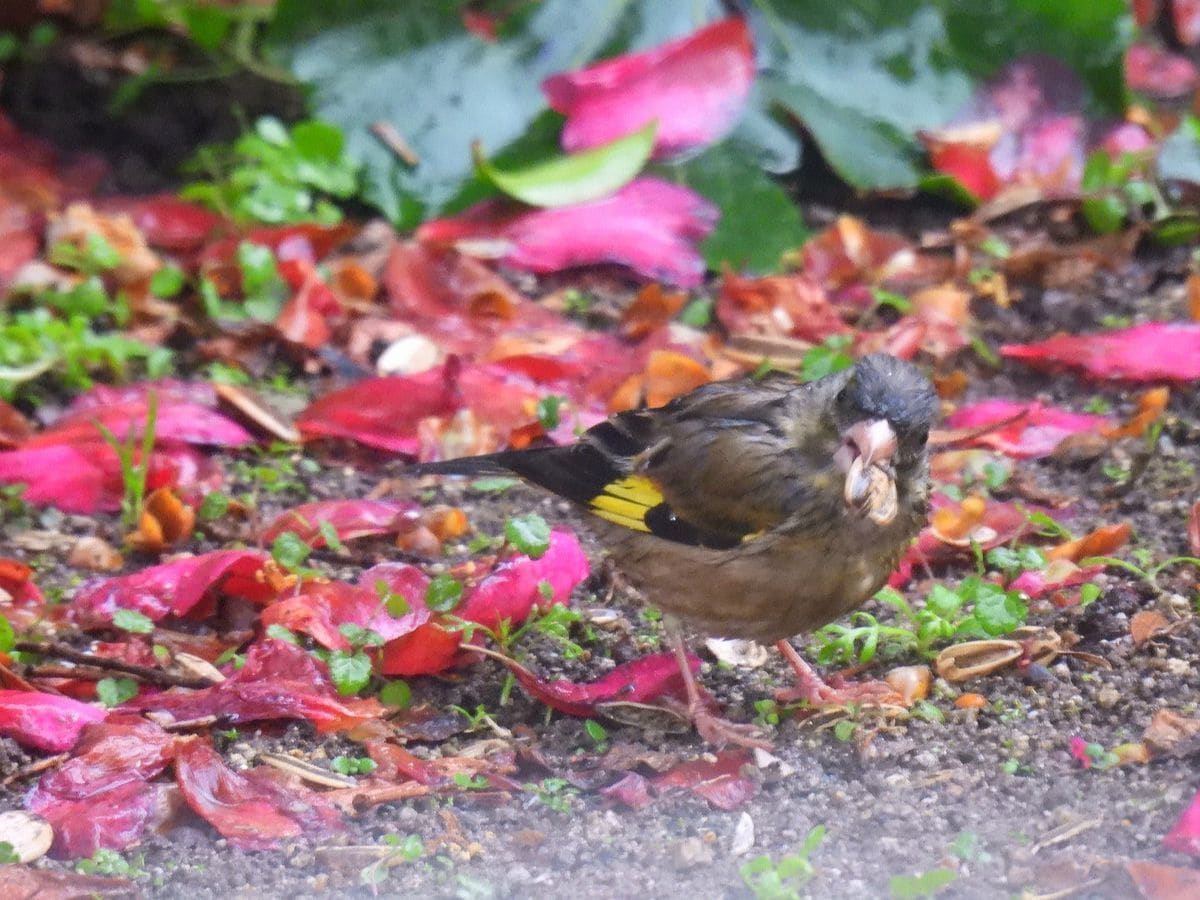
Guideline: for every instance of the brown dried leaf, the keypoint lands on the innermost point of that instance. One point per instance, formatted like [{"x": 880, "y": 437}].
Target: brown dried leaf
[
  {"x": 1170, "y": 734},
  {"x": 96, "y": 554},
  {"x": 1146, "y": 624},
  {"x": 165, "y": 522}
]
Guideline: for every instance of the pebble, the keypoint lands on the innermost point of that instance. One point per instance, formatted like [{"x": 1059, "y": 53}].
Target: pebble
[
  {"x": 690, "y": 853},
  {"x": 1108, "y": 696}
]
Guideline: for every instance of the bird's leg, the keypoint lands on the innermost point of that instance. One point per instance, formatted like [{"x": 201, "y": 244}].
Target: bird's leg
[
  {"x": 714, "y": 729},
  {"x": 811, "y": 687}
]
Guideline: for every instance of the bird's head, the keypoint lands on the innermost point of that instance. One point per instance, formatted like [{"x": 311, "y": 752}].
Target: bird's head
[{"x": 883, "y": 413}]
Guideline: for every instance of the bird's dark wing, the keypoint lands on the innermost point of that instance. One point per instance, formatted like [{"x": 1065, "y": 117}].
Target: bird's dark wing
[{"x": 714, "y": 468}]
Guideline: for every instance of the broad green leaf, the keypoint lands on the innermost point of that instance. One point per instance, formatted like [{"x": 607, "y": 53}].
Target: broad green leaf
[
  {"x": 759, "y": 221},
  {"x": 413, "y": 66},
  {"x": 865, "y": 76},
  {"x": 578, "y": 177}
]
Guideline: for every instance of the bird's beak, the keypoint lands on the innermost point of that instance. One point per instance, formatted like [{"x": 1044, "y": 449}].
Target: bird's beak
[{"x": 875, "y": 440}]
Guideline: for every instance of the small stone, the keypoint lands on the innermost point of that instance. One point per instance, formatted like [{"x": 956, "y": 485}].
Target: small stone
[
  {"x": 690, "y": 853},
  {"x": 1108, "y": 696},
  {"x": 1178, "y": 666}
]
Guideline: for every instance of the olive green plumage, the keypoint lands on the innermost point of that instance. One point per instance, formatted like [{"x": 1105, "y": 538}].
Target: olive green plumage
[{"x": 751, "y": 508}]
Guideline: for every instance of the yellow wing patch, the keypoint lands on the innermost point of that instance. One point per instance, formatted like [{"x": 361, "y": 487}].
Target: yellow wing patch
[{"x": 626, "y": 501}]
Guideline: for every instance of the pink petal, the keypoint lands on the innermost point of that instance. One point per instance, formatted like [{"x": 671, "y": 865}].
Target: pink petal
[
  {"x": 45, "y": 721},
  {"x": 1061, "y": 574},
  {"x": 1078, "y": 748},
  {"x": 693, "y": 87},
  {"x": 350, "y": 519},
  {"x": 251, "y": 810},
  {"x": 320, "y": 608},
  {"x": 278, "y": 681},
  {"x": 1036, "y": 434},
  {"x": 649, "y": 225},
  {"x": 1155, "y": 351},
  {"x": 639, "y": 681},
  {"x": 1184, "y": 836},
  {"x": 175, "y": 587},
  {"x": 113, "y": 819}
]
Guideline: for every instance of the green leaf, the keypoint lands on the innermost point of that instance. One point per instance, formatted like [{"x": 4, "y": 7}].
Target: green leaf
[
  {"x": 758, "y": 223},
  {"x": 115, "y": 691},
  {"x": 214, "y": 506},
  {"x": 350, "y": 672},
  {"x": 403, "y": 64},
  {"x": 167, "y": 281},
  {"x": 396, "y": 693},
  {"x": 548, "y": 411},
  {"x": 444, "y": 593},
  {"x": 7, "y": 636},
  {"x": 926, "y": 884},
  {"x": 289, "y": 550},
  {"x": 133, "y": 621},
  {"x": 281, "y": 633},
  {"x": 352, "y": 765},
  {"x": 999, "y": 612},
  {"x": 529, "y": 534},
  {"x": 575, "y": 178}
]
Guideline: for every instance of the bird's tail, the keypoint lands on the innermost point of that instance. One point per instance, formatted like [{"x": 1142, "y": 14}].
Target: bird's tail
[{"x": 577, "y": 471}]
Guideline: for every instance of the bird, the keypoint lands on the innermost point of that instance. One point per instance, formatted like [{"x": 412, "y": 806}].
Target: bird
[{"x": 755, "y": 508}]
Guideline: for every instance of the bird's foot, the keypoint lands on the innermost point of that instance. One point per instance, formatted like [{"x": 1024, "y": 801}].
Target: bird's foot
[
  {"x": 812, "y": 688},
  {"x": 719, "y": 731},
  {"x": 819, "y": 692}
]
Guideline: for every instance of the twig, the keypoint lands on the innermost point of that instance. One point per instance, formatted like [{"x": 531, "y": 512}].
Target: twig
[
  {"x": 394, "y": 141},
  {"x": 147, "y": 674},
  {"x": 34, "y": 767}
]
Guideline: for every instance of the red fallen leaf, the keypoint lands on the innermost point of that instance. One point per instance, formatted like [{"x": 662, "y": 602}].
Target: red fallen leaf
[
  {"x": 639, "y": 681},
  {"x": 1158, "y": 882},
  {"x": 395, "y": 762},
  {"x": 166, "y": 221},
  {"x": 1153, "y": 70},
  {"x": 319, "y": 608},
  {"x": 45, "y": 721},
  {"x": 101, "y": 797},
  {"x": 27, "y": 883},
  {"x": 1104, "y": 541},
  {"x": 84, "y": 478},
  {"x": 304, "y": 319},
  {"x": 350, "y": 519},
  {"x": 1185, "y": 15},
  {"x": 970, "y": 164},
  {"x": 718, "y": 781},
  {"x": 179, "y": 421},
  {"x": 1193, "y": 529},
  {"x": 278, "y": 681},
  {"x": 694, "y": 88},
  {"x": 456, "y": 298},
  {"x": 396, "y": 413},
  {"x": 650, "y": 226},
  {"x": 1184, "y": 836},
  {"x": 16, "y": 580},
  {"x": 1156, "y": 351},
  {"x": 252, "y": 811},
  {"x": 848, "y": 256},
  {"x": 632, "y": 789},
  {"x": 176, "y": 587},
  {"x": 512, "y": 590},
  {"x": 1036, "y": 434},
  {"x": 778, "y": 305},
  {"x": 14, "y": 427}
]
